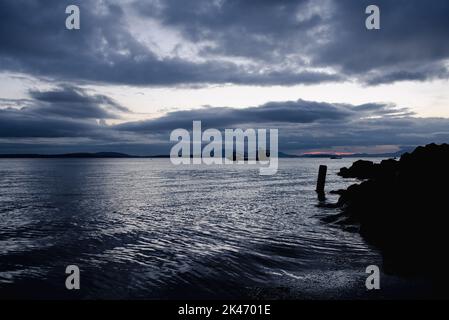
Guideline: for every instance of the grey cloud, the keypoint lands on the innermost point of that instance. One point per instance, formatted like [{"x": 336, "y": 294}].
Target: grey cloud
[
  {"x": 411, "y": 45},
  {"x": 285, "y": 41},
  {"x": 20, "y": 124},
  {"x": 274, "y": 112},
  {"x": 311, "y": 125},
  {"x": 253, "y": 29},
  {"x": 69, "y": 101},
  {"x": 302, "y": 125},
  {"x": 35, "y": 41},
  {"x": 14, "y": 103},
  {"x": 64, "y": 112},
  {"x": 281, "y": 113},
  {"x": 307, "y": 125}
]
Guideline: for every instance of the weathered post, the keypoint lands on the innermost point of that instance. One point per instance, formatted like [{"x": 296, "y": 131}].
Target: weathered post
[{"x": 321, "y": 179}]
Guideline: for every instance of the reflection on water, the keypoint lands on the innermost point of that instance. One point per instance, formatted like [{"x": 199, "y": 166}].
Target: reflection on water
[{"x": 142, "y": 228}]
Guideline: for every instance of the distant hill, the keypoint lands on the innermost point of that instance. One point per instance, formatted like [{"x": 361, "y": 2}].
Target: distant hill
[
  {"x": 359, "y": 155},
  {"x": 355, "y": 155},
  {"x": 70, "y": 155},
  {"x": 286, "y": 155},
  {"x": 117, "y": 155},
  {"x": 112, "y": 155}
]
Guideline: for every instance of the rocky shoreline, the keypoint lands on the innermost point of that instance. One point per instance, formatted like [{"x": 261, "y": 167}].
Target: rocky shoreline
[{"x": 402, "y": 208}]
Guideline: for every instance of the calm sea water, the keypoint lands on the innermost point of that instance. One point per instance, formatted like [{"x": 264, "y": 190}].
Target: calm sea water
[{"x": 143, "y": 228}]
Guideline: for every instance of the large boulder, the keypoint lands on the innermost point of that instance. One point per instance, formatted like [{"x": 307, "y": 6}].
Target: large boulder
[
  {"x": 360, "y": 169},
  {"x": 402, "y": 207}
]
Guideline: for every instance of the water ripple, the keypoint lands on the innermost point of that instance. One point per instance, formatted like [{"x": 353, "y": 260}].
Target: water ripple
[{"x": 145, "y": 229}]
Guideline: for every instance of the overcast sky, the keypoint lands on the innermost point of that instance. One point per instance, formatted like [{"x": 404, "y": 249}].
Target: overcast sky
[{"x": 138, "y": 69}]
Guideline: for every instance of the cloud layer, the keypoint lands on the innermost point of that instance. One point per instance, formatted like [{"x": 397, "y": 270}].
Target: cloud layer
[
  {"x": 281, "y": 42},
  {"x": 69, "y": 119},
  {"x": 64, "y": 112}
]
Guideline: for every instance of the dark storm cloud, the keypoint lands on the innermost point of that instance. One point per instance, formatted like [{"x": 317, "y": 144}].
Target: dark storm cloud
[
  {"x": 284, "y": 41},
  {"x": 35, "y": 41},
  {"x": 73, "y": 102},
  {"x": 307, "y": 125},
  {"x": 264, "y": 30},
  {"x": 64, "y": 112},
  {"x": 20, "y": 124},
  {"x": 289, "y": 115},
  {"x": 411, "y": 45},
  {"x": 302, "y": 125},
  {"x": 253, "y": 29},
  {"x": 274, "y": 112}
]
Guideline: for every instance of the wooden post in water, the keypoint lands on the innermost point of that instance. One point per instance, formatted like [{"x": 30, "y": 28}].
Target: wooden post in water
[{"x": 321, "y": 179}]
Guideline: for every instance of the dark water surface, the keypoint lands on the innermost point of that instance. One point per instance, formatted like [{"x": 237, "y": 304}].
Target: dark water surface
[{"x": 143, "y": 228}]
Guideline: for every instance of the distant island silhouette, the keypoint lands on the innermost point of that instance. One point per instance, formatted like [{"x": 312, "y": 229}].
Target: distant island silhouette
[
  {"x": 118, "y": 155},
  {"x": 402, "y": 208},
  {"x": 111, "y": 155}
]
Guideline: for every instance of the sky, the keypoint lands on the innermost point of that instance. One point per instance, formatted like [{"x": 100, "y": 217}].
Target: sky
[{"x": 138, "y": 69}]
